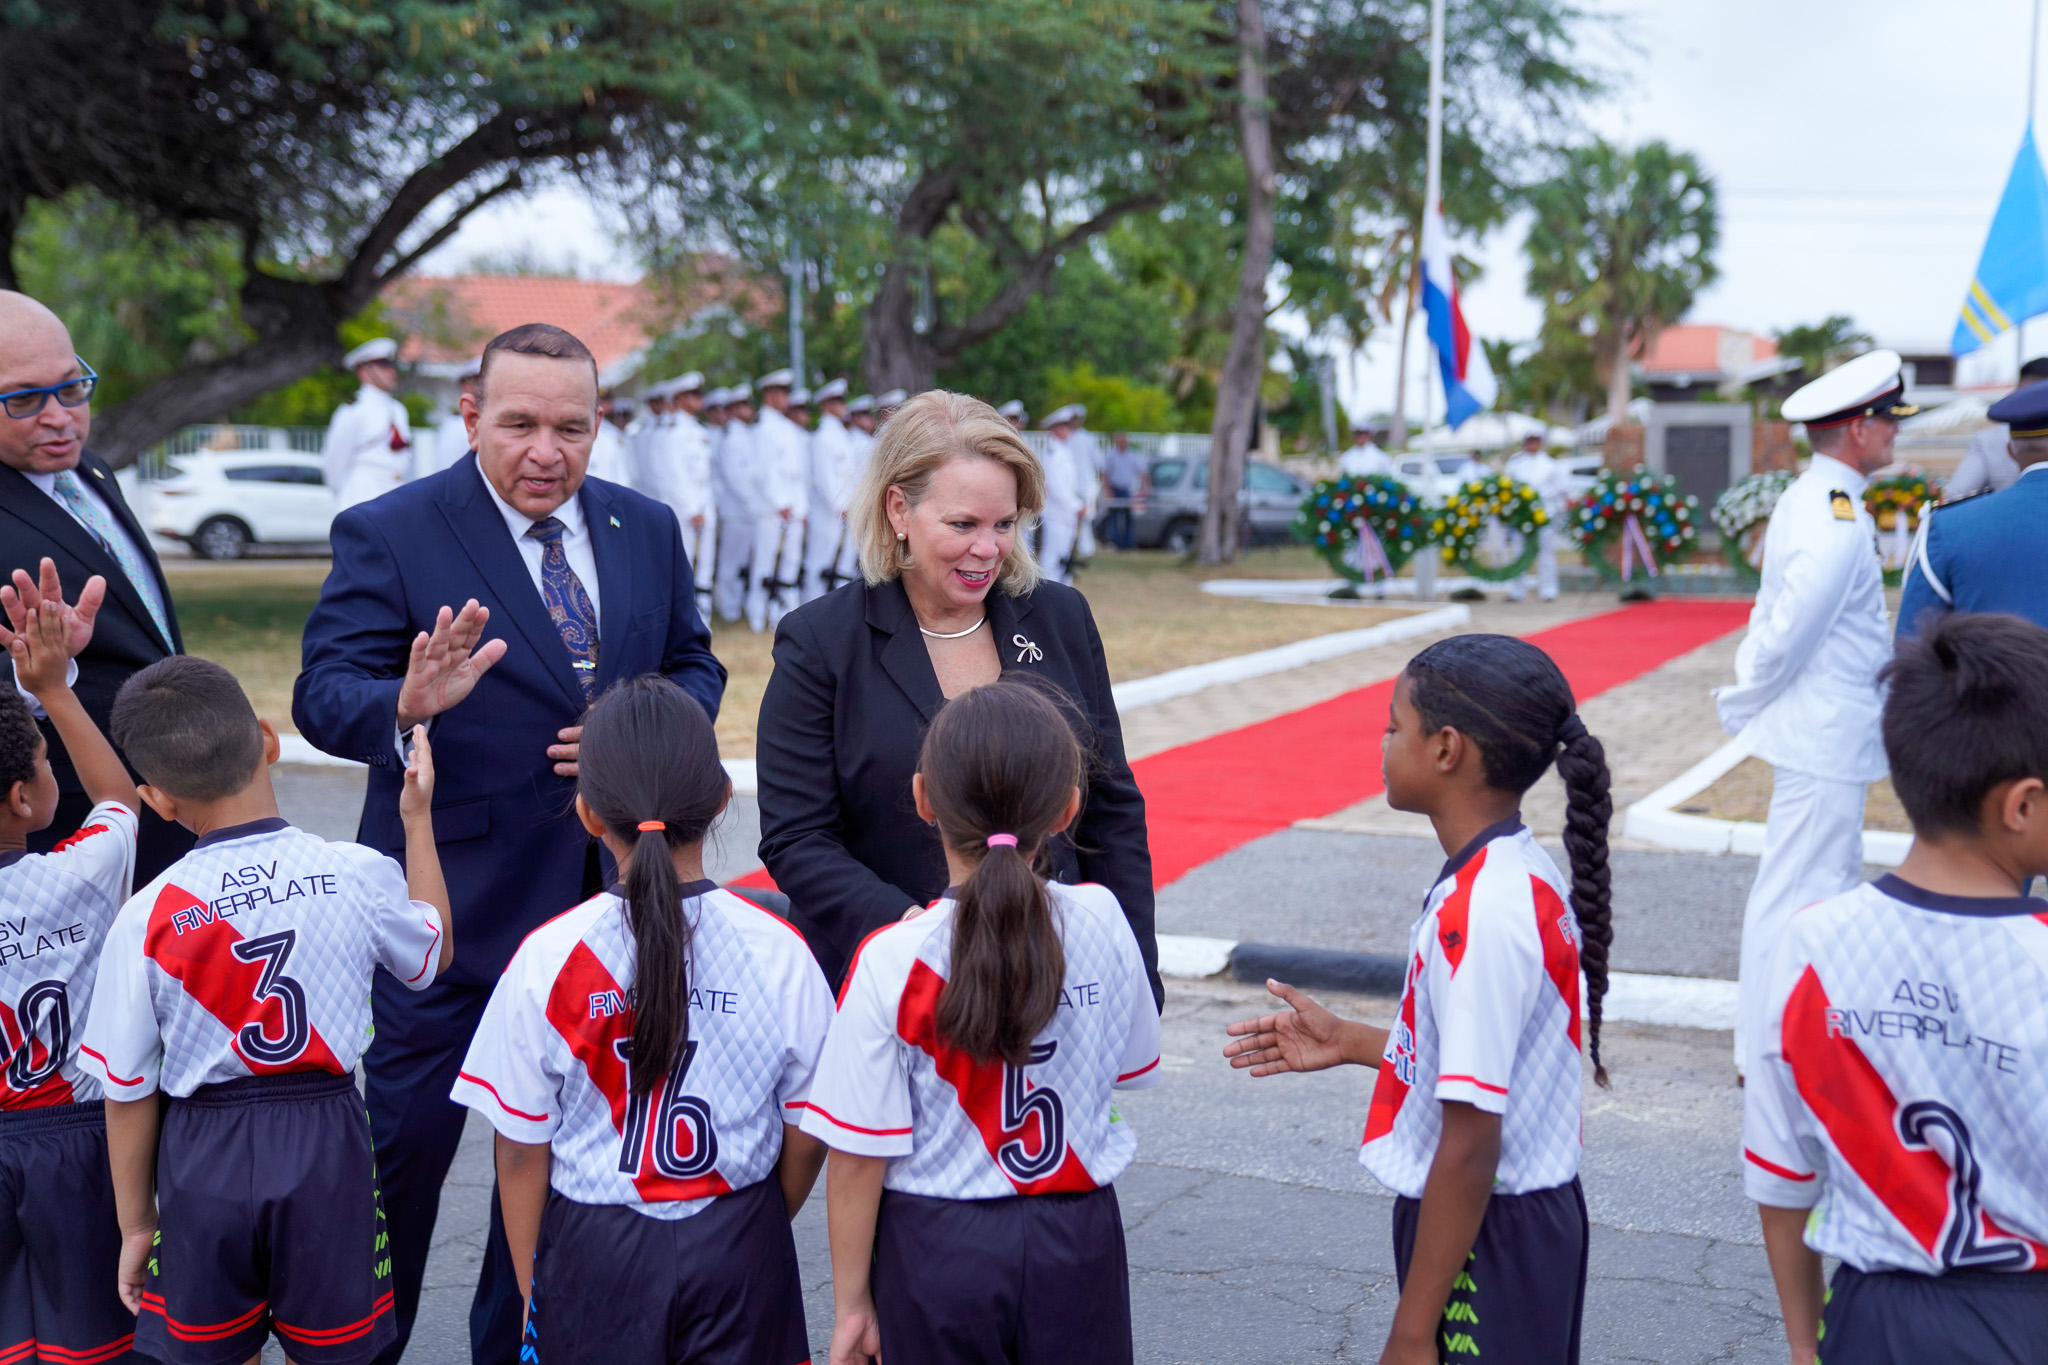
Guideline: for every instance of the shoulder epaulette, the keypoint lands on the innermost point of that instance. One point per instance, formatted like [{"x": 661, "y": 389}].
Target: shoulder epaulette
[{"x": 1959, "y": 501}]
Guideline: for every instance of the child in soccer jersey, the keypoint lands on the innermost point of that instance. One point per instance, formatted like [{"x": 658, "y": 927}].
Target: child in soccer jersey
[
  {"x": 59, "y": 1236},
  {"x": 238, "y": 984},
  {"x": 643, "y": 1060},
  {"x": 966, "y": 1085},
  {"x": 1474, "y": 1123},
  {"x": 1898, "y": 1119}
]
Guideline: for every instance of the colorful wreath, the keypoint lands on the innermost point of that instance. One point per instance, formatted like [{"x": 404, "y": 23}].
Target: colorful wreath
[
  {"x": 1741, "y": 513},
  {"x": 1462, "y": 526},
  {"x": 1895, "y": 502},
  {"x": 1645, "y": 514},
  {"x": 1335, "y": 509}
]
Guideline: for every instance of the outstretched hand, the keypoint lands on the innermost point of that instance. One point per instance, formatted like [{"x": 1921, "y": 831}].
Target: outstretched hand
[
  {"x": 1306, "y": 1037},
  {"x": 417, "y": 795},
  {"x": 446, "y": 664},
  {"x": 25, "y": 595},
  {"x": 39, "y": 649}
]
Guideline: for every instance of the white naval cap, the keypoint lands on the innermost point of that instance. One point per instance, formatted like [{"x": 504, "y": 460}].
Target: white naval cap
[
  {"x": 894, "y": 398},
  {"x": 689, "y": 382},
  {"x": 656, "y": 392},
  {"x": 472, "y": 369},
  {"x": 1014, "y": 409},
  {"x": 864, "y": 403},
  {"x": 776, "y": 379},
  {"x": 799, "y": 397},
  {"x": 377, "y": 348},
  {"x": 742, "y": 392},
  {"x": 1868, "y": 386},
  {"x": 835, "y": 388},
  {"x": 1065, "y": 416},
  {"x": 718, "y": 398}
]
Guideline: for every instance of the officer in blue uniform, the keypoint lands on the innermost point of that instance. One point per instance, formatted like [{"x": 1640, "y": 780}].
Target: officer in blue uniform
[{"x": 1989, "y": 552}]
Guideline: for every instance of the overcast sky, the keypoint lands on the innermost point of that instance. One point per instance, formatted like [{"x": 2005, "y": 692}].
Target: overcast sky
[{"x": 1859, "y": 146}]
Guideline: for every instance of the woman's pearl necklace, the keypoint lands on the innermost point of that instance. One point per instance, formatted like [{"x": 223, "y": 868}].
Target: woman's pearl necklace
[{"x": 954, "y": 635}]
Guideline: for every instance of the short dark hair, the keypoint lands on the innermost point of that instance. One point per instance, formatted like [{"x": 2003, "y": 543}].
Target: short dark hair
[
  {"x": 534, "y": 338},
  {"x": 1967, "y": 710},
  {"x": 19, "y": 741},
  {"x": 2037, "y": 368},
  {"x": 188, "y": 728}
]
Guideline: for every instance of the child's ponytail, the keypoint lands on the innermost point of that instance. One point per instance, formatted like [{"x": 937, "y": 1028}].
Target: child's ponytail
[
  {"x": 1508, "y": 697},
  {"x": 1589, "y": 809},
  {"x": 648, "y": 769},
  {"x": 1000, "y": 765}
]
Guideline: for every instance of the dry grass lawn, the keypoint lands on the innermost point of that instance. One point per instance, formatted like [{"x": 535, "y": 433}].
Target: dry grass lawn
[
  {"x": 1744, "y": 793},
  {"x": 1148, "y": 604}
]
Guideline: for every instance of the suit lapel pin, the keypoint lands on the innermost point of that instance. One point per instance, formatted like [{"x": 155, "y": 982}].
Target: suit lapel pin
[
  {"x": 1027, "y": 650},
  {"x": 615, "y": 522},
  {"x": 99, "y": 473}
]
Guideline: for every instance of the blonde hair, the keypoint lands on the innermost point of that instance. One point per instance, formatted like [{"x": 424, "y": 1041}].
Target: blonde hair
[{"x": 925, "y": 434}]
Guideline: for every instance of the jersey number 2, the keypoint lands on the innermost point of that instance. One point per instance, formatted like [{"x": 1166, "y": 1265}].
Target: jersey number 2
[
  {"x": 677, "y": 1111},
  {"x": 295, "y": 1031},
  {"x": 1020, "y": 1103}
]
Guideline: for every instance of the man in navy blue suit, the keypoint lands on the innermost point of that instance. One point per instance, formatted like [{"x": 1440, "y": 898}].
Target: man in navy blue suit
[{"x": 568, "y": 584}]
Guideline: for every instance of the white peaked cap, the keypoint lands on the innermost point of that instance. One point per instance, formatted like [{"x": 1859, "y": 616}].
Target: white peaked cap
[
  {"x": 864, "y": 403},
  {"x": 742, "y": 392},
  {"x": 894, "y": 398},
  {"x": 799, "y": 397},
  {"x": 717, "y": 398},
  {"x": 835, "y": 388},
  {"x": 1057, "y": 416},
  {"x": 377, "y": 348},
  {"x": 777, "y": 379},
  {"x": 691, "y": 382},
  {"x": 1868, "y": 385},
  {"x": 1013, "y": 408},
  {"x": 471, "y": 370}
]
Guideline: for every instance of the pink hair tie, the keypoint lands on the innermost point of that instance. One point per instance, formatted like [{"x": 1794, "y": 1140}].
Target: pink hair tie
[{"x": 1002, "y": 841}]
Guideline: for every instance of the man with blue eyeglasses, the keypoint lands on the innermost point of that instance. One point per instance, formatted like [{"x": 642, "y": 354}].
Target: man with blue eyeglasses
[{"x": 65, "y": 528}]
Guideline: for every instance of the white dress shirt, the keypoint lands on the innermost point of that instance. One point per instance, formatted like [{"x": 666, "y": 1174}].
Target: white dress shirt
[
  {"x": 575, "y": 543},
  {"x": 1806, "y": 689}
]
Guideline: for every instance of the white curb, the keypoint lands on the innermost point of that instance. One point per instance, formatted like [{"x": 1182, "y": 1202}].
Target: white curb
[
  {"x": 1181, "y": 682},
  {"x": 1653, "y": 820},
  {"x": 1316, "y": 591},
  {"x": 299, "y": 749}
]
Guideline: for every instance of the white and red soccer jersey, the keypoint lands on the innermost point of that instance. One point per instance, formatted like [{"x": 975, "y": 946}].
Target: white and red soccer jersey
[
  {"x": 1489, "y": 1017},
  {"x": 550, "y": 1061},
  {"x": 957, "y": 1128},
  {"x": 1902, "y": 1086},
  {"x": 252, "y": 956},
  {"x": 54, "y": 911}
]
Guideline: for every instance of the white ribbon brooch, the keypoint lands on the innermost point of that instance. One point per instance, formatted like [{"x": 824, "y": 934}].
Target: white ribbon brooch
[{"x": 1027, "y": 651}]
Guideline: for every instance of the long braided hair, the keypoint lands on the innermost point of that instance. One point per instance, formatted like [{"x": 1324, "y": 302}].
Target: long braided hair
[{"x": 1508, "y": 697}]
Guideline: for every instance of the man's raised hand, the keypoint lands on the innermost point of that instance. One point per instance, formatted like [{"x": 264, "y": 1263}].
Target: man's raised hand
[
  {"x": 25, "y": 595},
  {"x": 1304, "y": 1038},
  {"x": 446, "y": 664}
]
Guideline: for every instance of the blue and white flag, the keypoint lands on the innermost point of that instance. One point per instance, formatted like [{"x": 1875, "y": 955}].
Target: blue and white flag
[
  {"x": 1468, "y": 381},
  {"x": 2011, "y": 283}
]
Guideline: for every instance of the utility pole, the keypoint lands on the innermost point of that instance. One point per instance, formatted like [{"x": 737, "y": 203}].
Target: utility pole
[{"x": 796, "y": 313}]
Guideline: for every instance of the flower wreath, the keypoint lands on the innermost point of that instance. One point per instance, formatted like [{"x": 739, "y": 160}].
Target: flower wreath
[
  {"x": 1895, "y": 502},
  {"x": 1460, "y": 524},
  {"x": 1394, "y": 519},
  {"x": 1741, "y": 513},
  {"x": 1644, "y": 513}
]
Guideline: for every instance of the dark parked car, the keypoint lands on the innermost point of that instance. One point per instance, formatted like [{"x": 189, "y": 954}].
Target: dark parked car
[{"x": 1170, "y": 516}]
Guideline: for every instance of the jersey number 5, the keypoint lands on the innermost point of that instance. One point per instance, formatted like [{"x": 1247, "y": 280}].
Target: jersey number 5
[
  {"x": 294, "y": 1029},
  {"x": 1020, "y": 1102},
  {"x": 678, "y": 1112}
]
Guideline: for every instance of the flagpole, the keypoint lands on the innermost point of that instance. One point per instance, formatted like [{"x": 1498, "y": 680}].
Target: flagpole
[
  {"x": 1432, "y": 191},
  {"x": 2033, "y": 74}
]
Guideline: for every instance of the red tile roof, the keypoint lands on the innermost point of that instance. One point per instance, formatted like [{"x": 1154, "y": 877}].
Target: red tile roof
[{"x": 1706, "y": 348}]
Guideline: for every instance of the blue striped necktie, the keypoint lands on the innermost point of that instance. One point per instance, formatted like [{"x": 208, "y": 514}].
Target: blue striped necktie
[
  {"x": 568, "y": 604},
  {"x": 100, "y": 522}
]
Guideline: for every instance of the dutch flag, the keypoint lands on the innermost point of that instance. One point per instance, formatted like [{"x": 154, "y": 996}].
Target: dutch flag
[{"x": 1468, "y": 382}]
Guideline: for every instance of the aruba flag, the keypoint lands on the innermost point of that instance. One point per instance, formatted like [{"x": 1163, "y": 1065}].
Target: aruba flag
[
  {"x": 1468, "y": 382},
  {"x": 2011, "y": 283}
]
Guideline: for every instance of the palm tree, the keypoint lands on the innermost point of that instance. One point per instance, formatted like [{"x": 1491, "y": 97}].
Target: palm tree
[
  {"x": 1823, "y": 345},
  {"x": 1622, "y": 243}
]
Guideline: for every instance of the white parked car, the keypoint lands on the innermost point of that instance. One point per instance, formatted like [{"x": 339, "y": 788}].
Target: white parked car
[
  {"x": 1433, "y": 477},
  {"x": 220, "y": 502},
  {"x": 1580, "y": 471}
]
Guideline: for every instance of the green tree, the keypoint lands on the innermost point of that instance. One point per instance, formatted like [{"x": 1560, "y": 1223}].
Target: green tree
[
  {"x": 1821, "y": 346},
  {"x": 1622, "y": 242}
]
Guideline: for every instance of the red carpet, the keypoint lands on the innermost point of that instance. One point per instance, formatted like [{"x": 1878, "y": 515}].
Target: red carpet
[{"x": 1206, "y": 798}]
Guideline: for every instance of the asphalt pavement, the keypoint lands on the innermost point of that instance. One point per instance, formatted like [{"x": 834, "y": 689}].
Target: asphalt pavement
[{"x": 1254, "y": 1235}]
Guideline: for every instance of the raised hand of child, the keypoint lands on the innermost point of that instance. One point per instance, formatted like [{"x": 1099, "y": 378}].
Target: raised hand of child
[
  {"x": 41, "y": 651},
  {"x": 417, "y": 796},
  {"x": 1306, "y": 1037}
]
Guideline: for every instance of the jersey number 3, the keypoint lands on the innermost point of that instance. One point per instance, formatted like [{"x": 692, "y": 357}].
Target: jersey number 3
[
  {"x": 1021, "y": 1102},
  {"x": 294, "y": 1030}
]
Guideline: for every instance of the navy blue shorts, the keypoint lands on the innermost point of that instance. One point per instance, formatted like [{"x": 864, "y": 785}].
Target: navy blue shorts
[
  {"x": 1522, "y": 1295},
  {"x": 1966, "y": 1317},
  {"x": 268, "y": 1218},
  {"x": 615, "y": 1287},
  {"x": 1034, "y": 1278},
  {"x": 60, "y": 1243}
]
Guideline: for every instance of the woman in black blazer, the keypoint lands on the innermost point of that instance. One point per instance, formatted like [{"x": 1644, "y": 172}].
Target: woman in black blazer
[{"x": 951, "y": 599}]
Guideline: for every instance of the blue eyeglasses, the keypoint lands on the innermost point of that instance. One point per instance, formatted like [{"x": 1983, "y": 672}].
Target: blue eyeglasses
[{"x": 72, "y": 393}]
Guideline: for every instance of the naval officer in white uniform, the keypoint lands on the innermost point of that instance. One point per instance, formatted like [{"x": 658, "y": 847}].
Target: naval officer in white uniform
[
  {"x": 1806, "y": 693},
  {"x": 368, "y": 448},
  {"x": 827, "y": 555},
  {"x": 782, "y": 464}
]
